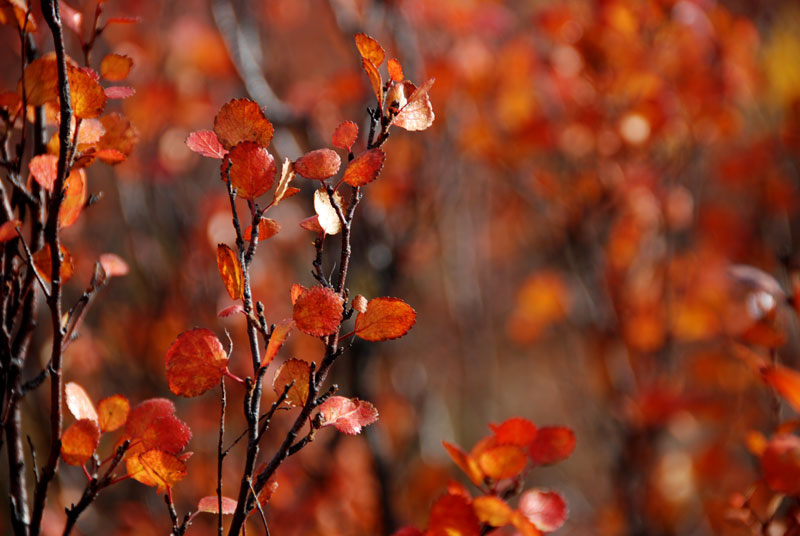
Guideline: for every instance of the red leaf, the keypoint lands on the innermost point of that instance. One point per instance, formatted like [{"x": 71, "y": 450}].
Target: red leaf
[
  {"x": 79, "y": 403},
  {"x": 345, "y": 135},
  {"x": 452, "y": 514},
  {"x": 318, "y": 165},
  {"x": 370, "y": 49},
  {"x": 79, "y": 441},
  {"x": 267, "y": 228},
  {"x": 464, "y": 462},
  {"x": 276, "y": 340},
  {"x": 312, "y": 224},
  {"x": 210, "y": 505},
  {"x": 115, "y": 67},
  {"x": 502, "y": 461},
  {"x": 8, "y": 230},
  {"x": 156, "y": 468},
  {"x": 552, "y": 444},
  {"x": 144, "y": 413},
  {"x": 347, "y": 415},
  {"x": 44, "y": 168},
  {"x": 364, "y": 168},
  {"x": 195, "y": 362},
  {"x": 297, "y": 371},
  {"x": 295, "y": 292},
  {"x": 252, "y": 171},
  {"x": 781, "y": 464},
  {"x": 375, "y": 80},
  {"x": 206, "y": 143},
  {"x": 514, "y": 431},
  {"x": 386, "y": 318},
  {"x": 230, "y": 311},
  {"x": 318, "y": 311},
  {"x": 492, "y": 510},
  {"x": 786, "y": 381},
  {"x": 230, "y": 271},
  {"x": 119, "y": 92},
  {"x": 545, "y": 509},
  {"x": 242, "y": 120}
]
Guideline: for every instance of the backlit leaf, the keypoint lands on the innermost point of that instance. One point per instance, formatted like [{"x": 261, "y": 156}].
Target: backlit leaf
[
  {"x": 120, "y": 136},
  {"x": 551, "y": 445},
  {"x": 88, "y": 97},
  {"x": 206, "y": 143},
  {"x": 252, "y": 171},
  {"x": 523, "y": 524},
  {"x": 276, "y": 340},
  {"x": 417, "y": 113},
  {"x": 167, "y": 433},
  {"x": 364, "y": 168},
  {"x": 345, "y": 135},
  {"x": 320, "y": 164},
  {"x": 502, "y": 461},
  {"x": 230, "y": 271},
  {"x": 75, "y": 192},
  {"x": 267, "y": 228},
  {"x": 156, "y": 468},
  {"x": 230, "y": 311},
  {"x": 43, "y": 264},
  {"x": 112, "y": 412},
  {"x": 464, "y": 462},
  {"x": 295, "y": 292},
  {"x": 327, "y": 216},
  {"x": 8, "y": 230},
  {"x": 89, "y": 133},
  {"x": 514, "y": 431},
  {"x": 781, "y": 464},
  {"x": 453, "y": 515},
  {"x": 370, "y": 49},
  {"x": 293, "y": 370},
  {"x": 786, "y": 381},
  {"x": 113, "y": 265},
  {"x": 545, "y": 509},
  {"x": 79, "y": 403},
  {"x": 492, "y": 510},
  {"x": 385, "y": 318},
  {"x": 41, "y": 80},
  {"x": 44, "y": 169},
  {"x": 242, "y": 120},
  {"x": 142, "y": 416},
  {"x": 195, "y": 362},
  {"x": 210, "y": 505},
  {"x": 282, "y": 191},
  {"x": 375, "y": 80},
  {"x": 318, "y": 311},
  {"x": 395, "y": 70},
  {"x": 119, "y": 92},
  {"x": 347, "y": 415},
  {"x": 79, "y": 441},
  {"x": 312, "y": 224},
  {"x": 115, "y": 67}
]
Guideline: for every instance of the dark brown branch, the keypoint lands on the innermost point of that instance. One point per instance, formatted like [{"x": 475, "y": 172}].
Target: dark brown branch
[{"x": 220, "y": 452}]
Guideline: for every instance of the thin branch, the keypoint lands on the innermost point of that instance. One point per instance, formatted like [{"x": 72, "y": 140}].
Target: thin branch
[{"x": 220, "y": 453}]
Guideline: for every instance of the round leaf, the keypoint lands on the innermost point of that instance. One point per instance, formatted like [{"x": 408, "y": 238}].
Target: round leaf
[
  {"x": 318, "y": 311},
  {"x": 242, "y": 120},
  {"x": 552, "y": 444},
  {"x": 345, "y": 135},
  {"x": 79, "y": 441},
  {"x": 112, "y": 412},
  {"x": 347, "y": 415},
  {"x": 195, "y": 362},
  {"x": 386, "y": 318},
  {"x": 252, "y": 169},
  {"x": 365, "y": 168},
  {"x": 318, "y": 165},
  {"x": 79, "y": 403},
  {"x": 545, "y": 509}
]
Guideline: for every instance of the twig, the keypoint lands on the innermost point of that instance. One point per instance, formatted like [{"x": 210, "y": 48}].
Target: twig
[{"x": 220, "y": 453}]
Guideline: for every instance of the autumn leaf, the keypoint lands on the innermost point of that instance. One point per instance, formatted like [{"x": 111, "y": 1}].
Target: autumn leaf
[
  {"x": 364, "y": 168},
  {"x": 395, "y": 70},
  {"x": 267, "y": 228},
  {"x": 453, "y": 514},
  {"x": 230, "y": 310},
  {"x": 156, "y": 468},
  {"x": 153, "y": 425},
  {"x": 43, "y": 263},
  {"x": 75, "y": 192},
  {"x": 345, "y": 135},
  {"x": 242, "y": 120},
  {"x": 141, "y": 416},
  {"x": 78, "y": 402},
  {"x": 282, "y": 191},
  {"x": 492, "y": 510},
  {"x": 319, "y": 165},
  {"x": 375, "y": 80},
  {"x": 230, "y": 271},
  {"x": 360, "y": 304},
  {"x": 312, "y": 224},
  {"x": 417, "y": 112},
  {"x": 276, "y": 340},
  {"x": 291, "y": 370},
  {"x": 514, "y": 431},
  {"x": 8, "y": 230},
  {"x": 210, "y": 505},
  {"x": 206, "y": 143},
  {"x": 502, "y": 461},
  {"x": 112, "y": 412},
  {"x": 781, "y": 464},
  {"x": 113, "y": 265},
  {"x": 87, "y": 96},
  {"x": 327, "y": 217},
  {"x": 295, "y": 292},
  {"x": 347, "y": 415},
  {"x": 120, "y": 138},
  {"x": 115, "y": 67},
  {"x": 318, "y": 311},
  {"x": 252, "y": 169},
  {"x": 44, "y": 170},
  {"x": 370, "y": 49},
  {"x": 41, "y": 80},
  {"x": 551, "y": 445},
  {"x": 786, "y": 381},
  {"x": 195, "y": 362},
  {"x": 547, "y": 510},
  {"x": 465, "y": 462},
  {"x": 385, "y": 318},
  {"x": 79, "y": 441}
]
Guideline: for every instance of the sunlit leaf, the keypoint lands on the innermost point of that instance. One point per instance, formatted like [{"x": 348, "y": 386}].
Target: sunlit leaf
[
  {"x": 386, "y": 318},
  {"x": 327, "y": 217},
  {"x": 318, "y": 311},
  {"x": 345, "y": 135},
  {"x": 545, "y": 509},
  {"x": 195, "y": 362},
  {"x": 252, "y": 169},
  {"x": 43, "y": 263},
  {"x": 120, "y": 137},
  {"x": 44, "y": 169},
  {"x": 75, "y": 192},
  {"x": 295, "y": 292},
  {"x": 79, "y": 441},
  {"x": 210, "y": 505},
  {"x": 8, "y": 230},
  {"x": 453, "y": 515},
  {"x": 465, "y": 462},
  {"x": 375, "y": 80},
  {"x": 113, "y": 265},
  {"x": 41, "y": 80},
  {"x": 282, "y": 191},
  {"x": 786, "y": 381},
  {"x": 365, "y": 168},
  {"x": 79, "y": 403},
  {"x": 502, "y": 461},
  {"x": 320, "y": 164},
  {"x": 112, "y": 412},
  {"x": 230, "y": 271},
  {"x": 206, "y": 143},
  {"x": 417, "y": 112},
  {"x": 156, "y": 468},
  {"x": 492, "y": 510},
  {"x": 347, "y": 415},
  {"x": 267, "y": 228},
  {"x": 312, "y": 224},
  {"x": 370, "y": 49},
  {"x": 395, "y": 70},
  {"x": 291, "y": 370},
  {"x": 276, "y": 340},
  {"x": 551, "y": 445},
  {"x": 88, "y": 98},
  {"x": 230, "y": 311},
  {"x": 115, "y": 67},
  {"x": 242, "y": 120},
  {"x": 514, "y": 431}
]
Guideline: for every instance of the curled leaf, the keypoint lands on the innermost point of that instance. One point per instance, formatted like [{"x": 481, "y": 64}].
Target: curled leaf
[
  {"x": 113, "y": 265},
  {"x": 282, "y": 191},
  {"x": 79, "y": 403},
  {"x": 327, "y": 217},
  {"x": 210, "y": 505},
  {"x": 347, "y": 415},
  {"x": 267, "y": 228},
  {"x": 276, "y": 340},
  {"x": 547, "y": 510},
  {"x": 417, "y": 112}
]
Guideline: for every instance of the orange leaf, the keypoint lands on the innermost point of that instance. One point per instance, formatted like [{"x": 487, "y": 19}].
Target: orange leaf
[
  {"x": 156, "y": 468},
  {"x": 113, "y": 265},
  {"x": 318, "y": 311},
  {"x": 318, "y": 165},
  {"x": 312, "y": 224},
  {"x": 552, "y": 444},
  {"x": 75, "y": 192},
  {"x": 295, "y": 370},
  {"x": 120, "y": 137},
  {"x": 282, "y": 191},
  {"x": 452, "y": 514},
  {"x": 44, "y": 169},
  {"x": 43, "y": 263},
  {"x": 523, "y": 524},
  {"x": 41, "y": 80},
  {"x": 267, "y": 228},
  {"x": 514, "y": 431},
  {"x": 276, "y": 340},
  {"x": 79, "y": 403},
  {"x": 395, "y": 70},
  {"x": 195, "y": 362},
  {"x": 375, "y": 80},
  {"x": 327, "y": 217},
  {"x": 115, "y": 67},
  {"x": 492, "y": 510},
  {"x": 267, "y": 491},
  {"x": 295, "y": 292},
  {"x": 89, "y": 133},
  {"x": 345, "y": 135},
  {"x": 386, "y": 318},
  {"x": 210, "y": 505},
  {"x": 502, "y": 461},
  {"x": 417, "y": 112},
  {"x": 79, "y": 441},
  {"x": 545, "y": 509},
  {"x": 112, "y": 412},
  {"x": 347, "y": 415},
  {"x": 15, "y": 13},
  {"x": 230, "y": 270},
  {"x": 242, "y": 120},
  {"x": 88, "y": 97},
  {"x": 464, "y": 462},
  {"x": 8, "y": 230},
  {"x": 206, "y": 143},
  {"x": 786, "y": 381},
  {"x": 365, "y": 168},
  {"x": 252, "y": 171},
  {"x": 152, "y": 424},
  {"x": 370, "y": 49}
]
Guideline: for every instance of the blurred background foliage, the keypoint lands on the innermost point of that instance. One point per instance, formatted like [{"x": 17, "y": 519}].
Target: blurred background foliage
[{"x": 565, "y": 230}]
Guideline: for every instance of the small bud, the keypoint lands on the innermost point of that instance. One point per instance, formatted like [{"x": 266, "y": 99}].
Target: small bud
[{"x": 360, "y": 304}]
